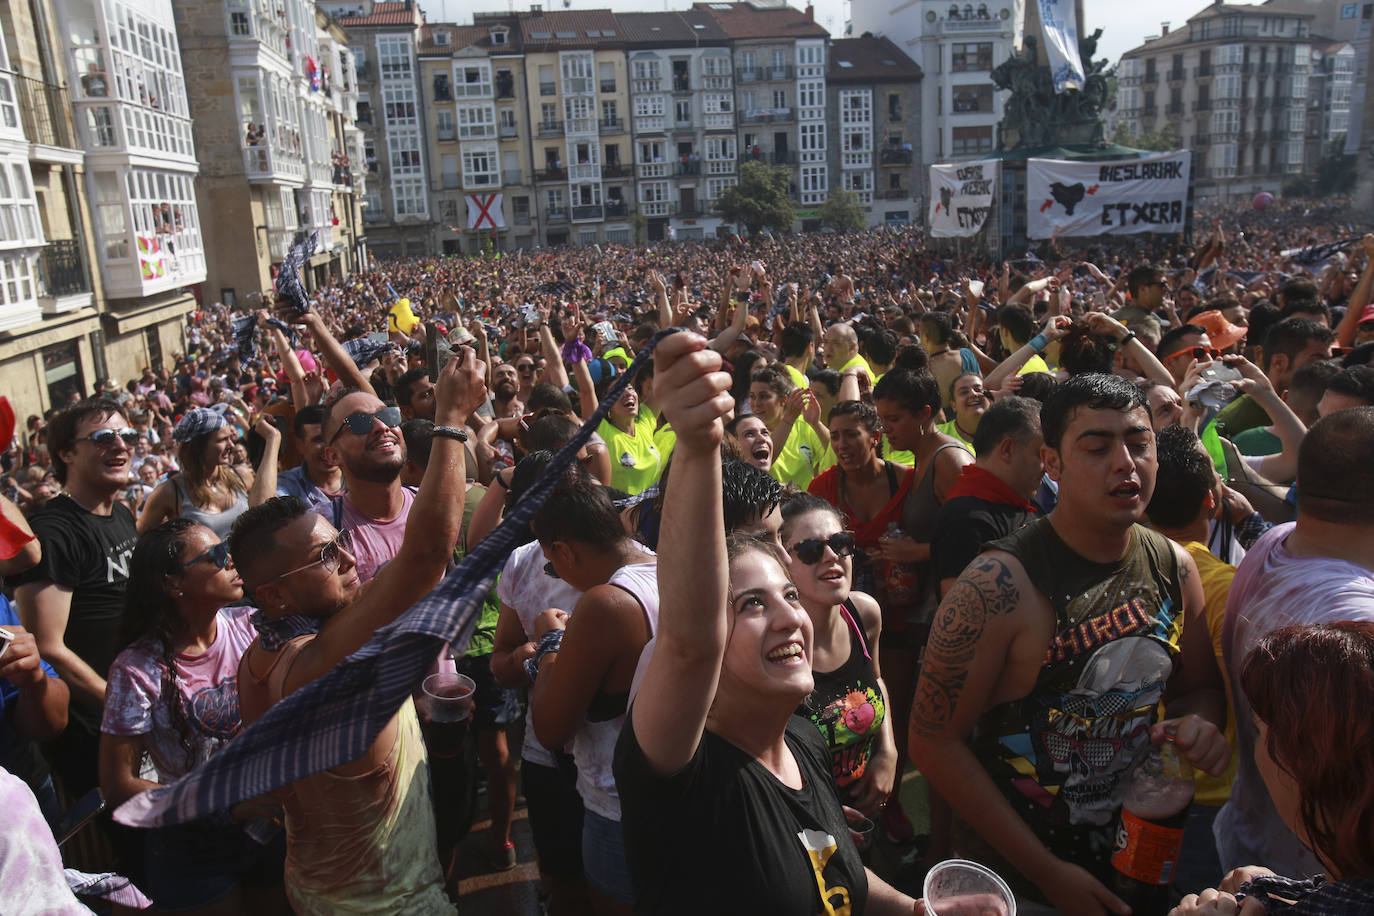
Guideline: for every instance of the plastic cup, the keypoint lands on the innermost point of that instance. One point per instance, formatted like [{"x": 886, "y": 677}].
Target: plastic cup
[
  {"x": 958, "y": 887},
  {"x": 863, "y": 834},
  {"x": 449, "y": 696}
]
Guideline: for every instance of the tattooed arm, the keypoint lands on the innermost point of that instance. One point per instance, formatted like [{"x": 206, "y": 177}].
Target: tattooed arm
[{"x": 986, "y": 645}]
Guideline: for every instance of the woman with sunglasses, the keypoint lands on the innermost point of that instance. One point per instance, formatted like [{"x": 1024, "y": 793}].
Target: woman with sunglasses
[
  {"x": 849, "y": 704},
  {"x": 172, "y": 695}
]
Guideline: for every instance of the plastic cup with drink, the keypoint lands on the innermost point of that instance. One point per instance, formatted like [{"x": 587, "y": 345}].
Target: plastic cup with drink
[
  {"x": 448, "y": 697},
  {"x": 958, "y": 887}
]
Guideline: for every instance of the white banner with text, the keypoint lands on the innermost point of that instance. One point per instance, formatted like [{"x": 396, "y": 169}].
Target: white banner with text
[{"x": 1122, "y": 197}]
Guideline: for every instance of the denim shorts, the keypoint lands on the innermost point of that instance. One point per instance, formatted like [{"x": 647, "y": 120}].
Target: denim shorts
[{"x": 603, "y": 857}]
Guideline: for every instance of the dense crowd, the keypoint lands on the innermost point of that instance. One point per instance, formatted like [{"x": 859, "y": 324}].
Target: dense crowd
[{"x": 1025, "y": 528}]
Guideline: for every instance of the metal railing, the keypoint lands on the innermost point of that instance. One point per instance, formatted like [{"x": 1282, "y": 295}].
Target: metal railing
[
  {"x": 584, "y": 212},
  {"x": 608, "y": 85},
  {"x": 511, "y": 176},
  {"x": 63, "y": 270},
  {"x": 557, "y": 214},
  {"x": 895, "y": 157},
  {"x": 893, "y": 194},
  {"x": 509, "y": 131},
  {"x": 550, "y": 175},
  {"x": 550, "y": 128},
  {"x": 615, "y": 171},
  {"x": 612, "y": 125},
  {"x": 688, "y": 168},
  {"x": 42, "y": 108},
  {"x": 616, "y": 209},
  {"x": 548, "y": 88}
]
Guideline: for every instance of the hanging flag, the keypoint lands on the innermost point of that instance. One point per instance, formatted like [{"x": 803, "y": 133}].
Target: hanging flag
[
  {"x": 1060, "y": 27},
  {"x": 150, "y": 258},
  {"x": 961, "y": 198},
  {"x": 484, "y": 211}
]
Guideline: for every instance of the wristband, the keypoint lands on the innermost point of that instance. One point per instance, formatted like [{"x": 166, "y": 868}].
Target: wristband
[
  {"x": 549, "y": 642},
  {"x": 1130, "y": 336},
  {"x": 1038, "y": 342}
]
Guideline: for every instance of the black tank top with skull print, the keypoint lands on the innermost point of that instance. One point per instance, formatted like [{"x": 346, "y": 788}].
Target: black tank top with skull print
[{"x": 1059, "y": 754}]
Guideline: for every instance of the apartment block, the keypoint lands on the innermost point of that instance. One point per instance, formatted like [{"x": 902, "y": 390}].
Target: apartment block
[
  {"x": 1233, "y": 83},
  {"x": 274, "y": 97},
  {"x": 874, "y": 99},
  {"x": 383, "y": 41}
]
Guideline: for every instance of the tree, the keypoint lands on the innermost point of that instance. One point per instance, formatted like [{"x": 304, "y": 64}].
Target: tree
[
  {"x": 1163, "y": 139},
  {"x": 760, "y": 199},
  {"x": 842, "y": 211}
]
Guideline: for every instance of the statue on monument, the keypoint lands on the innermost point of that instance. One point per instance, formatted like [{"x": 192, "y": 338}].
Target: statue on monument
[{"x": 1035, "y": 116}]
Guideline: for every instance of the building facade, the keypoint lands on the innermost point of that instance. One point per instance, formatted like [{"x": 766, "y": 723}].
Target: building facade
[
  {"x": 274, "y": 98},
  {"x": 1233, "y": 84},
  {"x": 956, "y": 46},
  {"x": 874, "y": 117}
]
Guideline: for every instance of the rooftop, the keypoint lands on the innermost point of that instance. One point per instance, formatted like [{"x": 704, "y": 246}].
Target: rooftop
[
  {"x": 399, "y": 12},
  {"x": 688, "y": 27},
  {"x": 568, "y": 29},
  {"x": 870, "y": 60},
  {"x": 744, "y": 21}
]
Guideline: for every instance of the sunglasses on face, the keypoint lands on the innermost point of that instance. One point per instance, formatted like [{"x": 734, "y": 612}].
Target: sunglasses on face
[
  {"x": 359, "y": 423},
  {"x": 219, "y": 555},
  {"x": 329, "y": 557},
  {"x": 1196, "y": 353},
  {"x": 106, "y": 438},
  {"x": 810, "y": 551}
]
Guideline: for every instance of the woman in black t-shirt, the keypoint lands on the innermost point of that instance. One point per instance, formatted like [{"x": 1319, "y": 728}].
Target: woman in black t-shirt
[{"x": 726, "y": 797}]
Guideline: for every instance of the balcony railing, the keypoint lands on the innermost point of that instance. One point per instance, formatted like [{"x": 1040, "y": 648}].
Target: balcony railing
[
  {"x": 612, "y": 126},
  {"x": 505, "y": 89},
  {"x": 522, "y": 217},
  {"x": 608, "y": 86},
  {"x": 766, "y": 116},
  {"x": 688, "y": 211},
  {"x": 682, "y": 84},
  {"x": 550, "y": 128},
  {"x": 773, "y": 157},
  {"x": 893, "y": 194},
  {"x": 42, "y": 107},
  {"x": 447, "y": 133},
  {"x": 63, "y": 271},
  {"x": 1202, "y": 70},
  {"x": 1151, "y": 78},
  {"x": 550, "y": 175},
  {"x": 786, "y": 72},
  {"x": 1178, "y": 75},
  {"x": 548, "y": 89},
  {"x": 557, "y": 214},
  {"x": 511, "y": 176},
  {"x": 895, "y": 157},
  {"x": 615, "y": 209},
  {"x": 750, "y": 75},
  {"x": 509, "y": 132},
  {"x": 1202, "y": 105},
  {"x": 688, "y": 168},
  {"x": 615, "y": 170},
  {"x": 585, "y": 212}
]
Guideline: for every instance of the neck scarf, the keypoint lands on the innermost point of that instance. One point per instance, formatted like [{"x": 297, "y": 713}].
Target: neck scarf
[{"x": 977, "y": 482}]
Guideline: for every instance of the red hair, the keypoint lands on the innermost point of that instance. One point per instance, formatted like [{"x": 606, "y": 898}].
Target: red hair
[{"x": 1313, "y": 686}]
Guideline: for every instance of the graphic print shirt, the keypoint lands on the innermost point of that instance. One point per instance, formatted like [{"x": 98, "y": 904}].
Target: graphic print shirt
[
  {"x": 847, "y": 706},
  {"x": 1059, "y": 754}
]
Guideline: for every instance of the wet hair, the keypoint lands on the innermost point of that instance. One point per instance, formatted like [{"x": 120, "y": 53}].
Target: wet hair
[
  {"x": 749, "y": 493},
  {"x": 862, "y": 411},
  {"x": 914, "y": 391},
  {"x": 151, "y": 612},
  {"x": 405, "y": 385},
  {"x": 1018, "y": 321},
  {"x": 309, "y": 415},
  {"x": 62, "y": 428},
  {"x": 253, "y": 538},
  {"x": 1363, "y": 355},
  {"x": 1184, "y": 479},
  {"x": 578, "y": 511},
  {"x": 1310, "y": 381},
  {"x": 1313, "y": 687},
  {"x": 1016, "y": 418},
  {"x": 1335, "y": 478},
  {"x": 775, "y": 377},
  {"x": 1357, "y": 382},
  {"x": 799, "y": 504},
  {"x": 1291, "y": 336},
  {"x": 1097, "y": 391},
  {"x": 795, "y": 338}
]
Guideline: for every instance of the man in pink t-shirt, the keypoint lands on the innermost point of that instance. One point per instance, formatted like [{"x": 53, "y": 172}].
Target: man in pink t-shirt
[{"x": 1316, "y": 570}]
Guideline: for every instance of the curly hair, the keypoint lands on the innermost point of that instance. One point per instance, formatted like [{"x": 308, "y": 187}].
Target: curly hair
[{"x": 151, "y": 612}]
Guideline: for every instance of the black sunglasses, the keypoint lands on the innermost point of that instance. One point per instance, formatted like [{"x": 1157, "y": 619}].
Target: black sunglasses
[
  {"x": 106, "y": 438},
  {"x": 359, "y": 423},
  {"x": 811, "y": 550},
  {"x": 219, "y": 555}
]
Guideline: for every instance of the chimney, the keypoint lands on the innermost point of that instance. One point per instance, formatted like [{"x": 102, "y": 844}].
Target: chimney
[
  {"x": 810, "y": 13},
  {"x": 1164, "y": 28}
]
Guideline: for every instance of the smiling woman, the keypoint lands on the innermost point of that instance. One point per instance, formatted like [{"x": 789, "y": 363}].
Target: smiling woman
[{"x": 209, "y": 490}]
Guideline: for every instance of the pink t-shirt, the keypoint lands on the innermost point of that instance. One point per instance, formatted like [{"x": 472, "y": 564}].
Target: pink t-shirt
[
  {"x": 209, "y": 688},
  {"x": 374, "y": 542}
]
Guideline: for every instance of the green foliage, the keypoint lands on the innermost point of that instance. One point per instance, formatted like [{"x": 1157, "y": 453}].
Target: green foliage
[
  {"x": 640, "y": 222},
  {"x": 842, "y": 211},
  {"x": 1163, "y": 139},
  {"x": 760, "y": 199}
]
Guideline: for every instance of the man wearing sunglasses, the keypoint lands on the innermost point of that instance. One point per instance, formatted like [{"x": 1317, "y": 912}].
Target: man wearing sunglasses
[
  {"x": 360, "y": 837},
  {"x": 1181, "y": 346},
  {"x": 73, "y": 600}
]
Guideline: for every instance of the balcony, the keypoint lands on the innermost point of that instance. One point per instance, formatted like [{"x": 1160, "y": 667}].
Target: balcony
[
  {"x": 1202, "y": 70},
  {"x": 893, "y": 194},
  {"x": 689, "y": 211},
  {"x": 891, "y": 156},
  {"x": 509, "y": 132},
  {"x": 446, "y": 134},
  {"x": 550, "y": 175},
  {"x": 616, "y": 209},
  {"x": 1151, "y": 78},
  {"x": 615, "y": 170},
  {"x": 773, "y": 157},
  {"x": 62, "y": 270},
  {"x": 505, "y": 88},
  {"x": 522, "y": 217},
  {"x": 1178, "y": 76},
  {"x": 682, "y": 84},
  {"x": 548, "y": 88},
  {"x": 766, "y": 116},
  {"x": 43, "y": 107},
  {"x": 586, "y": 213},
  {"x": 1202, "y": 105},
  {"x": 550, "y": 128},
  {"x": 750, "y": 75},
  {"x": 557, "y": 214},
  {"x": 510, "y": 177},
  {"x": 1173, "y": 109},
  {"x": 1149, "y": 111},
  {"x": 612, "y": 126},
  {"x": 786, "y": 72},
  {"x": 608, "y": 86},
  {"x": 584, "y": 171},
  {"x": 687, "y": 168}
]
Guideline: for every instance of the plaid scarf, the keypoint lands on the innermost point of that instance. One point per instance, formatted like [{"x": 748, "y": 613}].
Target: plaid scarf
[{"x": 275, "y": 632}]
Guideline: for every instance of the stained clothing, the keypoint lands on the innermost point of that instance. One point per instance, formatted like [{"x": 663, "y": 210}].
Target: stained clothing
[
  {"x": 635, "y": 460},
  {"x": 847, "y": 707},
  {"x": 723, "y": 834},
  {"x": 1060, "y": 753}
]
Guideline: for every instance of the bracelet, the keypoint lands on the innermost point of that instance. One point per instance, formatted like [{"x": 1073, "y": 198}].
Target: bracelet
[
  {"x": 1038, "y": 342},
  {"x": 549, "y": 642},
  {"x": 1130, "y": 336}
]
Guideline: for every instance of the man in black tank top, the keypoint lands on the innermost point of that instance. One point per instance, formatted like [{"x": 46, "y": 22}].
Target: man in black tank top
[{"x": 1050, "y": 654}]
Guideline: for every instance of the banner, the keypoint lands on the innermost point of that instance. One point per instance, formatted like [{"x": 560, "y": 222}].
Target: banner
[
  {"x": 961, "y": 198},
  {"x": 1122, "y": 197},
  {"x": 484, "y": 211},
  {"x": 151, "y": 262},
  {"x": 1060, "y": 27}
]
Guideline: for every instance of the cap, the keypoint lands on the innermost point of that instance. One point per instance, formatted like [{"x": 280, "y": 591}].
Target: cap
[
  {"x": 1367, "y": 314},
  {"x": 1220, "y": 332}
]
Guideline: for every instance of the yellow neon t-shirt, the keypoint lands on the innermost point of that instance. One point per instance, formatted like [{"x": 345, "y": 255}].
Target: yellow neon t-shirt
[{"x": 635, "y": 461}]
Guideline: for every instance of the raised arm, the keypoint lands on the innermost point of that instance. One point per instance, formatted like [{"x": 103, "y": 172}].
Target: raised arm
[
  {"x": 1359, "y": 298},
  {"x": 669, "y": 713},
  {"x": 726, "y": 338},
  {"x": 335, "y": 356},
  {"x": 1154, "y": 369},
  {"x": 1289, "y": 428},
  {"x": 660, "y": 288},
  {"x": 265, "y": 480},
  {"x": 432, "y": 530},
  {"x": 553, "y": 359},
  {"x": 1054, "y": 329}
]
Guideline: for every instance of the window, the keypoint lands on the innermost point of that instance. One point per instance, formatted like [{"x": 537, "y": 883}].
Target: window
[
  {"x": 1228, "y": 55},
  {"x": 974, "y": 98},
  {"x": 651, "y": 151},
  {"x": 547, "y": 86},
  {"x": 476, "y": 122},
  {"x": 408, "y": 196},
  {"x": 448, "y": 170},
  {"x": 19, "y": 223},
  {"x": 393, "y": 54},
  {"x": 720, "y": 148},
  {"x": 653, "y": 192},
  {"x": 969, "y": 141},
  {"x": 443, "y": 125},
  {"x": 811, "y": 137},
  {"x": 717, "y": 103},
  {"x": 610, "y": 114},
  {"x": 649, "y": 106},
  {"x": 404, "y": 147},
  {"x": 448, "y": 212},
  {"x": 814, "y": 184},
  {"x": 715, "y": 187},
  {"x": 442, "y": 92},
  {"x": 971, "y": 58},
  {"x": 1226, "y": 86},
  {"x": 578, "y": 114},
  {"x": 479, "y": 167},
  {"x": 165, "y": 218},
  {"x": 682, "y": 111},
  {"x": 811, "y": 94},
  {"x": 553, "y": 199},
  {"x": 606, "y": 76},
  {"x": 856, "y": 107},
  {"x": 779, "y": 98},
  {"x": 473, "y": 81},
  {"x": 399, "y": 106},
  {"x": 1225, "y": 122}
]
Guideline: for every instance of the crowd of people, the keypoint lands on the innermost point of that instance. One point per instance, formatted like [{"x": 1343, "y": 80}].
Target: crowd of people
[{"x": 874, "y": 511}]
